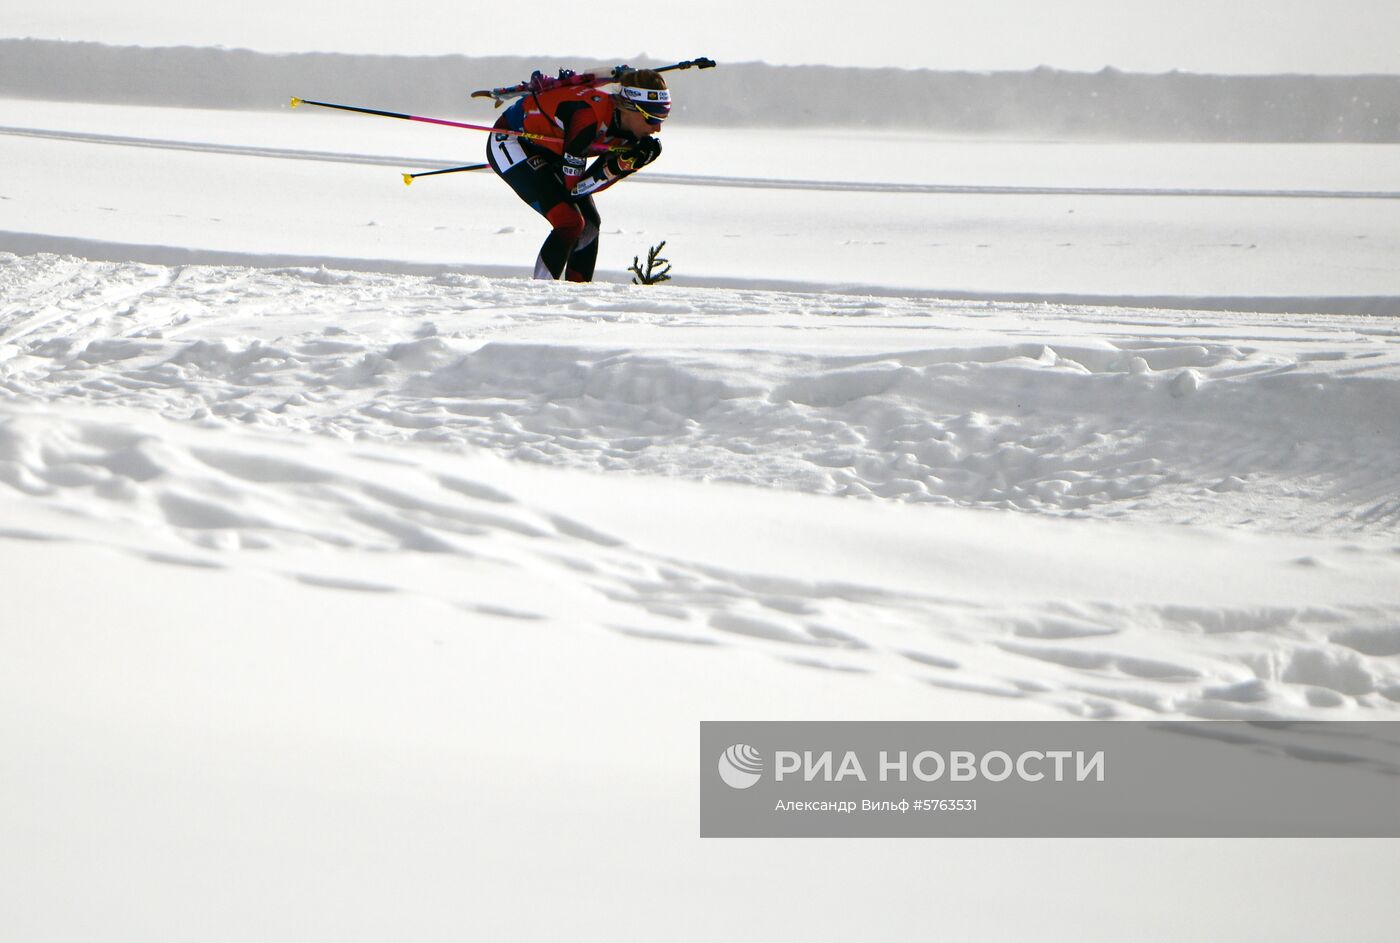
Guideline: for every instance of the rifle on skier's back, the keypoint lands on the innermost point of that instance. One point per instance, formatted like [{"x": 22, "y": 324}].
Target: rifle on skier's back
[{"x": 539, "y": 82}]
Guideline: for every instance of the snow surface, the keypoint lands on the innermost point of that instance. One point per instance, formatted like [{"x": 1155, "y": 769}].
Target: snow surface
[
  {"x": 356, "y": 577},
  {"x": 1262, "y": 248}
]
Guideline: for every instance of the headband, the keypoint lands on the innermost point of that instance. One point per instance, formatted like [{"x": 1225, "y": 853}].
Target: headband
[{"x": 646, "y": 95}]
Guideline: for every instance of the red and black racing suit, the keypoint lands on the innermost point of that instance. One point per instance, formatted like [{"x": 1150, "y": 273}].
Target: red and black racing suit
[{"x": 553, "y": 175}]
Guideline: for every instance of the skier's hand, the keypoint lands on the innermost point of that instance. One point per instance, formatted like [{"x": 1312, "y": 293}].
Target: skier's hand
[
  {"x": 644, "y": 151},
  {"x": 635, "y": 156}
]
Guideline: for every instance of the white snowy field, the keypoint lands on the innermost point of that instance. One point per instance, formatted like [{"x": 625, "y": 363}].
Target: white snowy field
[
  {"x": 870, "y": 211},
  {"x": 359, "y": 586}
]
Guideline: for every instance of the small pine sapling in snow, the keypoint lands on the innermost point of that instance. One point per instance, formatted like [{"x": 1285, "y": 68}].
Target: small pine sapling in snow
[{"x": 655, "y": 272}]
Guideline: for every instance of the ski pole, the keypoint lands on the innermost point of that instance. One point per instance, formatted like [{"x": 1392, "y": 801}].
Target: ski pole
[
  {"x": 443, "y": 121},
  {"x": 409, "y": 178}
]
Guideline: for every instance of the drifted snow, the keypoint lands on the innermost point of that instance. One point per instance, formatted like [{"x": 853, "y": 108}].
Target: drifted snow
[{"x": 216, "y": 411}]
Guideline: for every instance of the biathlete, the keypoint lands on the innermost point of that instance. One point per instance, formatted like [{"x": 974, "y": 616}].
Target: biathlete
[{"x": 554, "y": 176}]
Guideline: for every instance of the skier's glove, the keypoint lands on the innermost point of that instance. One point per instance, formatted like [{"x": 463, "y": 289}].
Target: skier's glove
[
  {"x": 610, "y": 168},
  {"x": 633, "y": 157},
  {"x": 643, "y": 152}
]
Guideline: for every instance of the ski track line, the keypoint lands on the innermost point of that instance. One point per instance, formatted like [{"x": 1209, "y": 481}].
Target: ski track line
[
  {"x": 38, "y": 308},
  {"x": 90, "y": 297},
  {"x": 700, "y": 180}
]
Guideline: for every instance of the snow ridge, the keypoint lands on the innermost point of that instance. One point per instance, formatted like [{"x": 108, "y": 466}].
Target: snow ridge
[
  {"x": 1190, "y": 425},
  {"x": 333, "y": 428}
]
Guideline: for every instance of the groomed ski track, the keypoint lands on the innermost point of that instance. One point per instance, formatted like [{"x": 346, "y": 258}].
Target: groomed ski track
[{"x": 695, "y": 180}]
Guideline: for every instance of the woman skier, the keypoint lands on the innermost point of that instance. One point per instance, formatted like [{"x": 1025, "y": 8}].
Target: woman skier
[{"x": 554, "y": 177}]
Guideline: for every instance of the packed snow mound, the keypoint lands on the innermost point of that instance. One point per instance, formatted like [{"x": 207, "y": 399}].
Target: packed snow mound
[
  {"x": 1286, "y": 425},
  {"x": 346, "y": 431}
]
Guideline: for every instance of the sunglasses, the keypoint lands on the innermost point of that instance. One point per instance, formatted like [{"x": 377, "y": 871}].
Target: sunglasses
[{"x": 654, "y": 114}]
